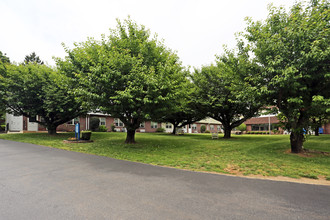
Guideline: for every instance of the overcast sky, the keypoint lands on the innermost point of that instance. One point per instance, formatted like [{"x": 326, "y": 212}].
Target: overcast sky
[{"x": 196, "y": 29}]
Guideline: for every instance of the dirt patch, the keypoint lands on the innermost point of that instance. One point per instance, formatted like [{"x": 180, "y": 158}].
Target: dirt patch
[
  {"x": 320, "y": 181},
  {"x": 233, "y": 169},
  {"x": 309, "y": 153}
]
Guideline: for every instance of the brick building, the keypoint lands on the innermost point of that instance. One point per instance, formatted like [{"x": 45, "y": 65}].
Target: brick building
[
  {"x": 25, "y": 124},
  {"x": 270, "y": 122}
]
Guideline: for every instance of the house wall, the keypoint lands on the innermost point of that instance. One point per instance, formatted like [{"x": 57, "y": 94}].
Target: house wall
[
  {"x": 148, "y": 128},
  {"x": 261, "y": 120},
  {"x": 326, "y": 128},
  {"x": 208, "y": 127}
]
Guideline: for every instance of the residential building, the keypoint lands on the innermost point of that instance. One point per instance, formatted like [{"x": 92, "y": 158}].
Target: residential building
[{"x": 25, "y": 124}]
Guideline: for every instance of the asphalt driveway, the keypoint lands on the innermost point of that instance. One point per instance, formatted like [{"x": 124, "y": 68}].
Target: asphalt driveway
[{"x": 38, "y": 182}]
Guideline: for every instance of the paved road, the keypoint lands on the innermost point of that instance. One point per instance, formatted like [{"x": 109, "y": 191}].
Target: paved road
[{"x": 44, "y": 183}]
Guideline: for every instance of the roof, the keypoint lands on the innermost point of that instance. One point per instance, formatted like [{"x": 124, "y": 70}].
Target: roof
[
  {"x": 262, "y": 120},
  {"x": 209, "y": 121},
  {"x": 98, "y": 114}
]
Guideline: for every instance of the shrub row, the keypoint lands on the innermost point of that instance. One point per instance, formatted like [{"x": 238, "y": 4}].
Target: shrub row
[{"x": 257, "y": 132}]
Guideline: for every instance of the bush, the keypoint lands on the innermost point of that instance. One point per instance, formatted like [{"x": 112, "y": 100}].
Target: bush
[
  {"x": 207, "y": 131},
  {"x": 2, "y": 127},
  {"x": 203, "y": 128},
  {"x": 241, "y": 127},
  {"x": 103, "y": 128},
  {"x": 113, "y": 128},
  {"x": 94, "y": 123},
  {"x": 160, "y": 130},
  {"x": 86, "y": 135},
  {"x": 276, "y": 131}
]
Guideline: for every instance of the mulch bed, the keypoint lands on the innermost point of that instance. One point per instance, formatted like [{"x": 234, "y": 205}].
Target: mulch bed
[{"x": 76, "y": 141}]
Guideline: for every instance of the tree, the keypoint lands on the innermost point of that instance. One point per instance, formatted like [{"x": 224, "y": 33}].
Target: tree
[
  {"x": 33, "y": 89},
  {"x": 226, "y": 92},
  {"x": 293, "y": 50},
  {"x": 33, "y": 58},
  {"x": 320, "y": 113},
  {"x": 241, "y": 127},
  {"x": 4, "y": 61},
  {"x": 185, "y": 110},
  {"x": 4, "y": 58},
  {"x": 94, "y": 123},
  {"x": 128, "y": 74}
]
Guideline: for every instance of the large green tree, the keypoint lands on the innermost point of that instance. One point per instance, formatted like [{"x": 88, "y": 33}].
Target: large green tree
[
  {"x": 128, "y": 74},
  {"x": 293, "y": 48},
  {"x": 2, "y": 100},
  {"x": 320, "y": 113},
  {"x": 33, "y": 89},
  {"x": 186, "y": 109},
  {"x": 4, "y": 60},
  {"x": 227, "y": 92}
]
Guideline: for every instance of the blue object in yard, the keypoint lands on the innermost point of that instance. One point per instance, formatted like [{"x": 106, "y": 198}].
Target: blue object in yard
[
  {"x": 77, "y": 131},
  {"x": 320, "y": 130}
]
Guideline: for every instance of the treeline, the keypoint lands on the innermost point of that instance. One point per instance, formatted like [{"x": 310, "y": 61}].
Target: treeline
[{"x": 281, "y": 62}]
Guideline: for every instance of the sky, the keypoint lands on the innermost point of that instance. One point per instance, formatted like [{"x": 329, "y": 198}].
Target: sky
[{"x": 195, "y": 29}]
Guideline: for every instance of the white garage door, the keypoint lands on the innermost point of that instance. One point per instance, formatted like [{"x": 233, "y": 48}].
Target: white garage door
[{"x": 15, "y": 122}]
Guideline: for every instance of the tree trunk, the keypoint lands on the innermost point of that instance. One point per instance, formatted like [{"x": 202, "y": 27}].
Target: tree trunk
[
  {"x": 130, "y": 137},
  {"x": 316, "y": 129},
  {"x": 227, "y": 131},
  {"x": 174, "y": 129},
  {"x": 51, "y": 129},
  {"x": 296, "y": 141}
]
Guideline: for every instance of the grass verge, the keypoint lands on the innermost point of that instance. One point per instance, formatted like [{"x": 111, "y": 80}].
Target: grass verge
[{"x": 243, "y": 154}]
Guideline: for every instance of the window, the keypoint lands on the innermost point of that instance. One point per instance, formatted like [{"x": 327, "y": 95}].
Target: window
[
  {"x": 194, "y": 127},
  {"x": 33, "y": 119},
  {"x": 211, "y": 127},
  {"x": 143, "y": 125},
  {"x": 102, "y": 121},
  {"x": 263, "y": 127},
  {"x": 118, "y": 123},
  {"x": 168, "y": 125},
  {"x": 154, "y": 124},
  {"x": 218, "y": 128}
]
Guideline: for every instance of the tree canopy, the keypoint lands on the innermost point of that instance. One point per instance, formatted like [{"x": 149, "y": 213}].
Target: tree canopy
[
  {"x": 4, "y": 58},
  {"x": 185, "y": 109},
  {"x": 293, "y": 48},
  {"x": 127, "y": 74},
  {"x": 226, "y": 91},
  {"x": 34, "y": 89}
]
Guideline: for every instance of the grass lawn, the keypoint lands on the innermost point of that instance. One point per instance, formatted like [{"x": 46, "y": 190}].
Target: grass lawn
[{"x": 243, "y": 154}]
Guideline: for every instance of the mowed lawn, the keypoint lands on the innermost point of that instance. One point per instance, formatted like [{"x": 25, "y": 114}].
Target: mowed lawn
[{"x": 243, "y": 154}]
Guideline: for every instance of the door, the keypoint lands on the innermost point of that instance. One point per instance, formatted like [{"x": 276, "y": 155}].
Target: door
[{"x": 189, "y": 129}]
